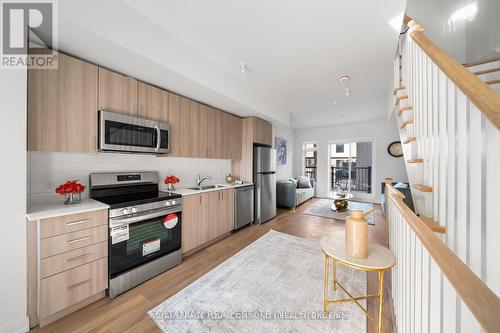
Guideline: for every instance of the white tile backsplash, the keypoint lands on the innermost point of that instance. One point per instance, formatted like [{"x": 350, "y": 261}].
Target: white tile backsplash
[{"x": 47, "y": 170}]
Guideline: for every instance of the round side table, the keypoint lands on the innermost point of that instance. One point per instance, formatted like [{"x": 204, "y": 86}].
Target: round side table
[{"x": 379, "y": 260}]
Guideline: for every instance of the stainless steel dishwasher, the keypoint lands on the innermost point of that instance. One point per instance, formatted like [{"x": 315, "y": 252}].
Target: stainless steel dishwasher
[{"x": 243, "y": 206}]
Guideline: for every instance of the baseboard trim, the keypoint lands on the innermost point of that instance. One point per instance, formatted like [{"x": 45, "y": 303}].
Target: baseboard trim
[{"x": 19, "y": 326}]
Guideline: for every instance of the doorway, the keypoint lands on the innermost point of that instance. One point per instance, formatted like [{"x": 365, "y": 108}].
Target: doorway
[{"x": 350, "y": 167}]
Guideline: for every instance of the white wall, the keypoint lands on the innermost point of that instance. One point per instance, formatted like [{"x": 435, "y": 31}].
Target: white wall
[
  {"x": 47, "y": 170},
  {"x": 383, "y": 132},
  {"x": 13, "y": 201},
  {"x": 284, "y": 171},
  {"x": 466, "y": 40}
]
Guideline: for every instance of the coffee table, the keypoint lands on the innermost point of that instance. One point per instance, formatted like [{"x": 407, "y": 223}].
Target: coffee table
[{"x": 340, "y": 203}]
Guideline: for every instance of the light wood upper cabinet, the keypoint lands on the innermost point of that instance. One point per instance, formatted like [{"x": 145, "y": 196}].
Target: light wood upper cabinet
[
  {"x": 235, "y": 137},
  {"x": 153, "y": 102},
  {"x": 198, "y": 135},
  {"x": 263, "y": 131},
  {"x": 179, "y": 120},
  {"x": 62, "y": 107},
  {"x": 214, "y": 135},
  {"x": 118, "y": 93}
]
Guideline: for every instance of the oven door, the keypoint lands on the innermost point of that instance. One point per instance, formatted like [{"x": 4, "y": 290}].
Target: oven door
[
  {"x": 119, "y": 132},
  {"x": 136, "y": 243}
]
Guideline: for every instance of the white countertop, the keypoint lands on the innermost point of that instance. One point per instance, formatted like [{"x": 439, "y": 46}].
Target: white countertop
[
  {"x": 187, "y": 191},
  {"x": 58, "y": 208}
]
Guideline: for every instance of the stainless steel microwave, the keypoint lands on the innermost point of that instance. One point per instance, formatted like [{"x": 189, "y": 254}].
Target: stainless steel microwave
[{"x": 124, "y": 133}]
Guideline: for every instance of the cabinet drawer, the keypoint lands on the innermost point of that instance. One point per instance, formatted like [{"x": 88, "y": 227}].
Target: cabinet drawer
[
  {"x": 70, "y": 287},
  {"x": 74, "y": 240},
  {"x": 74, "y": 222},
  {"x": 62, "y": 262}
]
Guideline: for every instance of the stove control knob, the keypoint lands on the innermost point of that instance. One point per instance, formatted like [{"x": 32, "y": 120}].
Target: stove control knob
[
  {"x": 173, "y": 202},
  {"x": 124, "y": 211},
  {"x": 167, "y": 203},
  {"x": 133, "y": 210}
]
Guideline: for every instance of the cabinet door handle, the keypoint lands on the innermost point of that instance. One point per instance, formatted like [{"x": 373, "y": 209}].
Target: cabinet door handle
[
  {"x": 76, "y": 285},
  {"x": 78, "y": 240},
  {"x": 77, "y": 258},
  {"x": 77, "y": 222},
  {"x": 200, "y": 200}
]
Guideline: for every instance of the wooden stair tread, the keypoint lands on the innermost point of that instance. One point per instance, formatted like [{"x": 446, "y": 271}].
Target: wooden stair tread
[
  {"x": 486, "y": 71},
  {"x": 493, "y": 81},
  {"x": 400, "y": 98},
  {"x": 406, "y": 122},
  {"x": 423, "y": 187},
  {"x": 398, "y": 89},
  {"x": 409, "y": 139},
  {"x": 433, "y": 225},
  {"x": 404, "y": 108},
  {"x": 481, "y": 62},
  {"x": 416, "y": 160}
]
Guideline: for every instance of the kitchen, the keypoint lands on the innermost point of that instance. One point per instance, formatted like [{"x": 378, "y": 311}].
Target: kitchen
[{"x": 121, "y": 137}]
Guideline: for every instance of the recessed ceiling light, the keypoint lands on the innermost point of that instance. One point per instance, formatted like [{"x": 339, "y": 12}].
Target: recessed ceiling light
[{"x": 344, "y": 78}]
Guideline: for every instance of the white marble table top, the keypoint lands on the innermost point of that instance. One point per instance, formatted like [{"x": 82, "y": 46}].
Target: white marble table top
[{"x": 378, "y": 258}]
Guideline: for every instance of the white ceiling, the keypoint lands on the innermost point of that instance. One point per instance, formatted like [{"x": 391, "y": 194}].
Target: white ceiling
[{"x": 295, "y": 51}]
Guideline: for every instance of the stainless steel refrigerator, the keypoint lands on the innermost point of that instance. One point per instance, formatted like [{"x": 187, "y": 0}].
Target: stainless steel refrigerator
[{"x": 264, "y": 177}]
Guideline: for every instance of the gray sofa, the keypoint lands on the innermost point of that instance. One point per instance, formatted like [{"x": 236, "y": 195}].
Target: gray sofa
[{"x": 288, "y": 195}]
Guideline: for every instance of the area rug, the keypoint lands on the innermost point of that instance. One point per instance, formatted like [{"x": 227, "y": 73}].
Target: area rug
[
  {"x": 322, "y": 208},
  {"x": 273, "y": 285}
]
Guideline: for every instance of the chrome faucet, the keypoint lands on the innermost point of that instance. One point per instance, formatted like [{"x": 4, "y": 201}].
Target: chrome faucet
[{"x": 200, "y": 179}]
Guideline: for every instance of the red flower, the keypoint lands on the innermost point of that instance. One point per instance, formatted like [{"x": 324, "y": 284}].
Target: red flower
[
  {"x": 71, "y": 186},
  {"x": 171, "y": 180}
]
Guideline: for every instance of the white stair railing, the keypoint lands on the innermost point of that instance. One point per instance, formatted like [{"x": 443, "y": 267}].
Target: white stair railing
[
  {"x": 449, "y": 124},
  {"x": 432, "y": 289}
]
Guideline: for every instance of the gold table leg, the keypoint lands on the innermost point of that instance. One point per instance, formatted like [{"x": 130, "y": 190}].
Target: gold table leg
[
  {"x": 379, "y": 294},
  {"x": 325, "y": 300}
]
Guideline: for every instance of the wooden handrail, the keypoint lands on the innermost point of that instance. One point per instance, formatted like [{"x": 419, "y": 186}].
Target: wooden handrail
[
  {"x": 483, "y": 303},
  {"x": 479, "y": 93}
]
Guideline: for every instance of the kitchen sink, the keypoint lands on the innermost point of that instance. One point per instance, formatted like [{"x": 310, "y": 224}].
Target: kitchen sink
[{"x": 207, "y": 187}]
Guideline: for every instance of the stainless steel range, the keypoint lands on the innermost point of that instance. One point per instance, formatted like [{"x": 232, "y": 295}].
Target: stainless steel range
[{"x": 144, "y": 226}]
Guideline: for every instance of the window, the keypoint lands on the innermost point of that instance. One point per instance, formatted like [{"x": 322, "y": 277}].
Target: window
[
  {"x": 351, "y": 166},
  {"x": 310, "y": 159}
]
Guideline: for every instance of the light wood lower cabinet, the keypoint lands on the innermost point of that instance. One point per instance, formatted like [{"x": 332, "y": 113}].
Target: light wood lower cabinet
[
  {"x": 67, "y": 264},
  {"x": 205, "y": 217},
  {"x": 70, "y": 287}
]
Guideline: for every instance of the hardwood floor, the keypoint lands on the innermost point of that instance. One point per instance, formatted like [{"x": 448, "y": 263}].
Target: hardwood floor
[{"x": 127, "y": 312}]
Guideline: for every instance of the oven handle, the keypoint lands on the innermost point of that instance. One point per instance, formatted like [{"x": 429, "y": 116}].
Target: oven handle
[{"x": 133, "y": 219}]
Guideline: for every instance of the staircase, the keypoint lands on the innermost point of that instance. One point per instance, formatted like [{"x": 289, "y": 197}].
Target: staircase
[
  {"x": 488, "y": 71},
  {"x": 449, "y": 123}
]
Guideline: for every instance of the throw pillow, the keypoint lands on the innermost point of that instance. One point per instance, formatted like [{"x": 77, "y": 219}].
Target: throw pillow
[
  {"x": 304, "y": 182},
  {"x": 401, "y": 185},
  {"x": 295, "y": 181}
]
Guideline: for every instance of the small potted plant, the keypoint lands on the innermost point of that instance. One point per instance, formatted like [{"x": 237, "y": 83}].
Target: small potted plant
[
  {"x": 171, "y": 181},
  {"x": 72, "y": 192}
]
